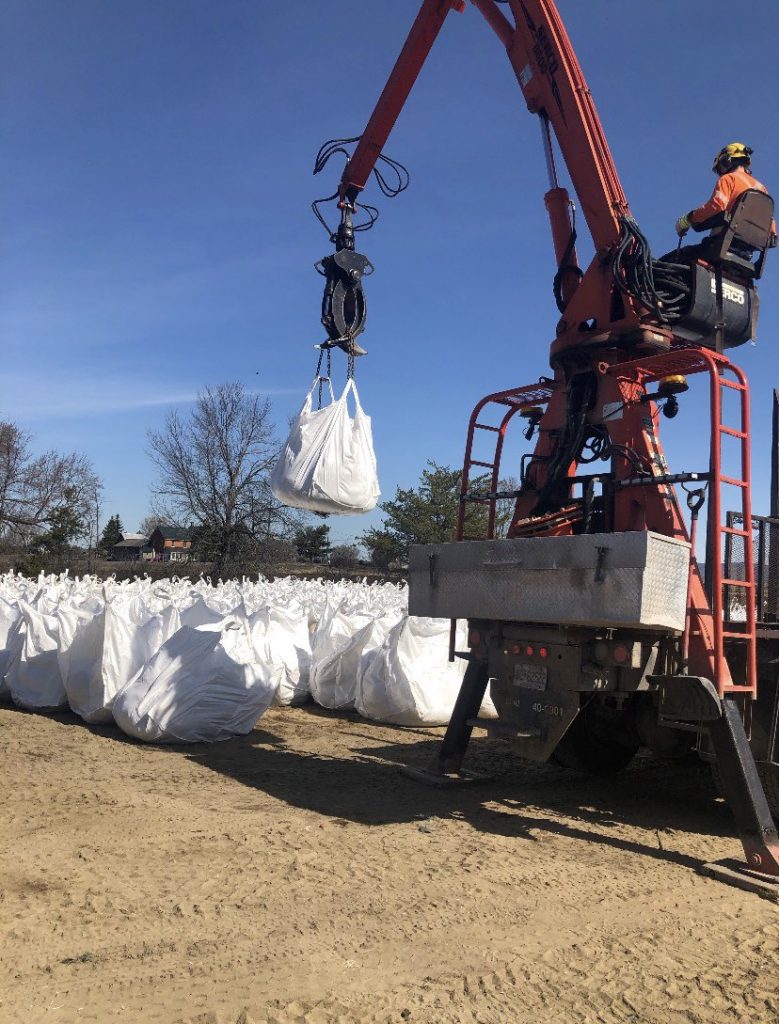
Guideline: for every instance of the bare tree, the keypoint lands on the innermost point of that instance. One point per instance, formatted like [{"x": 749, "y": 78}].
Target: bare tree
[
  {"x": 150, "y": 523},
  {"x": 344, "y": 556},
  {"x": 213, "y": 471},
  {"x": 35, "y": 487}
]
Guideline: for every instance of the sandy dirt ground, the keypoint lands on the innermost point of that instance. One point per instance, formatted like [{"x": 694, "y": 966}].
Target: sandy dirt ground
[{"x": 294, "y": 875}]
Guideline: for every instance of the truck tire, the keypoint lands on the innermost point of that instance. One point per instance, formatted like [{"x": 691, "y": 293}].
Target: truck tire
[{"x": 600, "y": 741}]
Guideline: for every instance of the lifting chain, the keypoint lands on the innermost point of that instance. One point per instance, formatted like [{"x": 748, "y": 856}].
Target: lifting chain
[{"x": 322, "y": 377}]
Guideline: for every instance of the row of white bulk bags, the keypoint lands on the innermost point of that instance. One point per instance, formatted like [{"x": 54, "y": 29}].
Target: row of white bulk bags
[
  {"x": 348, "y": 644},
  {"x": 105, "y": 635}
]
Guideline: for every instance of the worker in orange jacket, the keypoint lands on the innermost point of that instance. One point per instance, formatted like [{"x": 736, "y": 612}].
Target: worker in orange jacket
[{"x": 733, "y": 166}]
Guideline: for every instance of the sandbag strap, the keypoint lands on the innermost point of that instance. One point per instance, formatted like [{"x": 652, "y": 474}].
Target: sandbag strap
[
  {"x": 319, "y": 382},
  {"x": 351, "y": 385}
]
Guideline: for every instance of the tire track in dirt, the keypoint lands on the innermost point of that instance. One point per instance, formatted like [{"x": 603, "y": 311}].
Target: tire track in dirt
[{"x": 294, "y": 875}]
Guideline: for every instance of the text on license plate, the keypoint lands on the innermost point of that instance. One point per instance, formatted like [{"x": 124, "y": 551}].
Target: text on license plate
[{"x": 530, "y": 677}]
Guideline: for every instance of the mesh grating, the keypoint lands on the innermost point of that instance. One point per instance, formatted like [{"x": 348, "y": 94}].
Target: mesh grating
[{"x": 765, "y": 546}]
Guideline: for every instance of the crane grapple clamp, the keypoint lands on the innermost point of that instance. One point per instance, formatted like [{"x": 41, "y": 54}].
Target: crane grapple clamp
[
  {"x": 344, "y": 309},
  {"x": 343, "y": 304}
]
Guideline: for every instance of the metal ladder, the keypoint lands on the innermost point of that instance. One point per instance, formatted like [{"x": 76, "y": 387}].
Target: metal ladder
[
  {"x": 512, "y": 401},
  {"x": 721, "y": 534}
]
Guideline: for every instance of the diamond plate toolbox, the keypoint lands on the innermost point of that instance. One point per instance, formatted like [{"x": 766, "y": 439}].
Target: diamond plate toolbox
[{"x": 634, "y": 579}]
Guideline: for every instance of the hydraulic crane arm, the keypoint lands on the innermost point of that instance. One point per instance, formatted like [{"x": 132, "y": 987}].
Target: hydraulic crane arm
[
  {"x": 421, "y": 38},
  {"x": 554, "y": 87},
  {"x": 552, "y": 84},
  {"x": 596, "y": 304}
]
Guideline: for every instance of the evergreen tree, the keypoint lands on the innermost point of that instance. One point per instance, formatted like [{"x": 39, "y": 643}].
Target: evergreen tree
[
  {"x": 313, "y": 543},
  {"x": 66, "y": 524},
  {"x": 112, "y": 534},
  {"x": 384, "y": 547},
  {"x": 427, "y": 514}
]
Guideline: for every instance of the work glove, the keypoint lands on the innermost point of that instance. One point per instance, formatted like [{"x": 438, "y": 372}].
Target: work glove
[{"x": 683, "y": 225}]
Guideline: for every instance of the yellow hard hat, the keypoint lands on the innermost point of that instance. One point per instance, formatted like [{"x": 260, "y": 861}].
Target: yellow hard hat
[{"x": 728, "y": 154}]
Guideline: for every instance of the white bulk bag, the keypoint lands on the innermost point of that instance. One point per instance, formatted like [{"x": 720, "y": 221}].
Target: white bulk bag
[
  {"x": 204, "y": 684},
  {"x": 345, "y": 637},
  {"x": 328, "y": 464},
  {"x": 11, "y": 640},
  {"x": 195, "y": 611},
  {"x": 282, "y": 639},
  {"x": 409, "y": 679},
  {"x": 81, "y": 658},
  {"x": 134, "y": 631},
  {"x": 34, "y": 679},
  {"x": 336, "y": 650}
]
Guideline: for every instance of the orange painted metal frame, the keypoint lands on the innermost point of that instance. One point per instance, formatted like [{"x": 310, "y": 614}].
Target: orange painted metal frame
[{"x": 650, "y": 507}]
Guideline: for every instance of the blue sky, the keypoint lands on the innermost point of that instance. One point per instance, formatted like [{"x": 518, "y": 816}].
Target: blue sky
[{"x": 155, "y": 182}]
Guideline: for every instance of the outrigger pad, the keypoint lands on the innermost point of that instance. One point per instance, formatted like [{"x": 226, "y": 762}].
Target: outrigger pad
[
  {"x": 733, "y": 873},
  {"x": 444, "y": 780}
]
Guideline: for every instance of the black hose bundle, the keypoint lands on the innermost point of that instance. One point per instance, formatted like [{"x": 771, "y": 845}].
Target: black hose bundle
[
  {"x": 599, "y": 446},
  {"x": 390, "y": 187},
  {"x": 673, "y": 285},
  {"x": 582, "y": 391},
  {"x": 566, "y": 266},
  {"x": 662, "y": 287}
]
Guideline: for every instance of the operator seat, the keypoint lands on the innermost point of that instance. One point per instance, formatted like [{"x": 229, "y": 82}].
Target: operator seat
[
  {"x": 718, "y": 276},
  {"x": 747, "y": 230}
]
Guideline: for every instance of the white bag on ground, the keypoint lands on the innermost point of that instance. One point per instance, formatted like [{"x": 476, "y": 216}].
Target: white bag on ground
[
  {"x": 337, "y": 648},
  {"x": 34, "y": 679},
  {"x": 204, "y": 684},
  {"x": 344, "y": 643},
  {"x": 328, "y": 464},
  {"x": 11, "y": 641},
  {"x": 282, "y": 640},
  {"x": 81, "y": 658},
  {"x": 409, "y": 680},
  {"x": 134, "y": 631}
]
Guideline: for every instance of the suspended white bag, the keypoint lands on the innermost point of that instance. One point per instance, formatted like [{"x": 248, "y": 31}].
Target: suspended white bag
[{"x": 328, "y": 464}]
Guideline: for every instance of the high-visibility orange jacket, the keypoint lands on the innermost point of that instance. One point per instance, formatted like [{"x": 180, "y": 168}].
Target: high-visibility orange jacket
[{"x": 727, "y": 190}]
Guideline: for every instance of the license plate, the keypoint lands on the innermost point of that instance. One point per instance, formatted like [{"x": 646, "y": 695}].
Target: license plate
[{"x": 530, "y": 677}]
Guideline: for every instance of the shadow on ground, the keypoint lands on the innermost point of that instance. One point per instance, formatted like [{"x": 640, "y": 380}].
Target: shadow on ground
[{"x": 366, "y": 786}]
